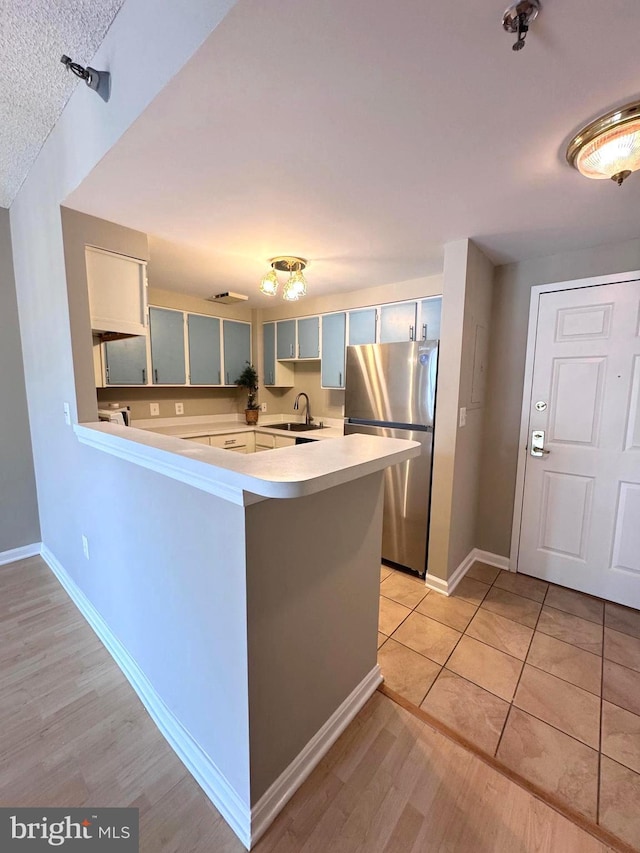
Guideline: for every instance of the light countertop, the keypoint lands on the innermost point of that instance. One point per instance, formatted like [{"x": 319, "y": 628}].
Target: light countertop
[{"x": 289, "y": 472}]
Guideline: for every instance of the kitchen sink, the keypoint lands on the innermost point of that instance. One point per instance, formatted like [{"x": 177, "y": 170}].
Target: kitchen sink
[{"x": 295, "y": 427}]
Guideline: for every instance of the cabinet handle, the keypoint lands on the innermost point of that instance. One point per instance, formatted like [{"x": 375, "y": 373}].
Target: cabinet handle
[
  {"x": 291, "y": 350},
  {"x": 298, "y": 350},
  {"x": 411, "y": 333},
  {"x": 219, "y": 380},
  {"x": 272, "y": 378},
  {"x": 228, "y": 383},
  {"x": 155, "y": 373},
  {"x": 340, "y": 379},
  {"x": 144, "y": 376},
  {"x": 106, "y": 373},
  {"x": 424, "y": 331}
]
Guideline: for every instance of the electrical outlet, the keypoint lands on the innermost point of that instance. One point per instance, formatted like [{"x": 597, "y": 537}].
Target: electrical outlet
[
  {"x": 463, "y": 416},
  {"x": 263, "y": 407},
  {"x": 67, "y": 414},
  {"x": 85, "y": 546},
  {"x": 179, "y": 408},
  {"x": 154, "y": 409}
]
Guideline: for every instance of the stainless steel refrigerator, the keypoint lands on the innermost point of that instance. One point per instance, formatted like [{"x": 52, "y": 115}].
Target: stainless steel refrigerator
[{"x": 391, "y": 392}]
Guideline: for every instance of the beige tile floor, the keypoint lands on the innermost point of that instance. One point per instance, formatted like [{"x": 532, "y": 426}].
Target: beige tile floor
[{"x": 544, "y": 678}]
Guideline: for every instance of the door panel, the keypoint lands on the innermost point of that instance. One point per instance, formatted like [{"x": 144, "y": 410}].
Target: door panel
[
  {"x": 309, "y": 337},
  {"x": 362, "y": 327},
  {"x": 167, "y": 347},
  {"x": 333, "y": 350},
  {"x": 286, "y": 338},
  {"x": 126, "y": 361},
  {"x": 269, "y": 342},
  {"x": 237, "y": 349},
  {"x": 204, "y": 350},
  {"x": 581, "y": 504},
  {"x": 576, "y": 399},
  {"x": 398, "y": 323}
]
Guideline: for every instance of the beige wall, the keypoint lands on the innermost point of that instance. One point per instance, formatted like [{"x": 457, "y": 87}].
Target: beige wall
[
  {"x": 312, "y": 615},
  {"x": 78, "y": 231},
  {"x": 468, "y": 284},
  {"x": 19, "y": 524},
  {"x": 510, "y": 318}
]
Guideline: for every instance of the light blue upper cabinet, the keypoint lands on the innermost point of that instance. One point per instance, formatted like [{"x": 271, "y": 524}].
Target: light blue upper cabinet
[
  {"x": 126, "y": 361},
  {"x": 167, "y": 347},
  {"x": 398, "y": 322},
  {"x": 309, "y": 337},
  {"x": 237, "y": 349},
  {"x": 269, "y": 343},
  {"x": 333, "y": 350},
  {"x": 430, "y": 311},
  {"x": 286, "y": 339},
  {"x": 204, "y": 350},
  {"x": 362, "y": 326}
]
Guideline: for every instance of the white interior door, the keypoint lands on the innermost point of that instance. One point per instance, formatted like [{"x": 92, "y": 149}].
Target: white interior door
[{"x": 581, "y": 509}]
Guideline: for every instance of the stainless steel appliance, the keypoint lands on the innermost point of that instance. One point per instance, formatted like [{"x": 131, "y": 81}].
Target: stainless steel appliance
[{"x": 391, "y": 392}]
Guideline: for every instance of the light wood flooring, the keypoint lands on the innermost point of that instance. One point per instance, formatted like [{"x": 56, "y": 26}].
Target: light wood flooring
[
  {"x": 73, "y": 733},
  {"x": 545, "y": 679}
]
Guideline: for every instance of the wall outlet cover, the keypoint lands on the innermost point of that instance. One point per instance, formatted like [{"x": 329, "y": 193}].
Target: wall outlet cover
[
  {"x": 154, "y": 409},
  {"x": 179, "y": 408},
  {"x": 263, "y": 407},
  {"x": 85, "y": 546},
  {"x": 463, "y": 416},
  {"x": 67, "y": 414}
]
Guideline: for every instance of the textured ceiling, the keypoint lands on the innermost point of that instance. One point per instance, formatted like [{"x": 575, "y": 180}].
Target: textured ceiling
[{"x": 34, "y": 86}]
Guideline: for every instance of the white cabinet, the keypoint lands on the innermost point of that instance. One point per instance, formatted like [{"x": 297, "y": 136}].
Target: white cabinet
[
  {"x": 240, "y": 442},
  {"x": 117, "y": 292}
]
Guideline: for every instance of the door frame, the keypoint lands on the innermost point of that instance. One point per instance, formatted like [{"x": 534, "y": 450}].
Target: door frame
[{"x": 536, "y": 292}]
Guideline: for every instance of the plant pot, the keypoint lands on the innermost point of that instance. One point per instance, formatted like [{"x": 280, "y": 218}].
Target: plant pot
[{"x": 251, "y": 416}]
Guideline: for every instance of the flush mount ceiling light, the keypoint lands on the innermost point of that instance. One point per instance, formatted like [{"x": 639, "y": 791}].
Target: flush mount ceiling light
[
  {"x": 608, "y": 147},
  {"x": 296, "y": 285}
]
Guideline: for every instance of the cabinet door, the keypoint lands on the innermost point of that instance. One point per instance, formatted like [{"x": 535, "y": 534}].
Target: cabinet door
[
  {"x": 362, "y": 326},
  {"x": 126, "y": 361},
  {"x": 269, "y": 342},
  {"x": 117, "y": 292},
  {"x": 430, "y": 311},
  {"x": 398, "y": 322},
  {"x": 204, "y": 350},
  {"x": 286, "y": 339},
  {"x": 167, "y": 347},
  {"x": 237, "y": 349},
  {"x": 333, "y": 350},
  {"x": 309, "y": 337}
]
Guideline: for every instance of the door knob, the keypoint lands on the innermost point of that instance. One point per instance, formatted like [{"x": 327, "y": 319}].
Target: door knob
[{"x": 537, "y": 443}]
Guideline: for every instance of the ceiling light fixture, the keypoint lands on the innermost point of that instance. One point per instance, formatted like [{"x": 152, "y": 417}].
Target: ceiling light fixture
[
  {"x": 608, "y": 147},
  {"x": 296, "y": 285}
]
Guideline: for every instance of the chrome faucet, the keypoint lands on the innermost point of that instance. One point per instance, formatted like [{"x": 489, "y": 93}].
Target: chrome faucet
[{"x": 296, "y": 406}]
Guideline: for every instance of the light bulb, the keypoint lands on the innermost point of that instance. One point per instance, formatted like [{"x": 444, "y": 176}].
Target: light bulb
[
  {"x": 291, "y": 292},
  {"x": 269, "y": 283}
]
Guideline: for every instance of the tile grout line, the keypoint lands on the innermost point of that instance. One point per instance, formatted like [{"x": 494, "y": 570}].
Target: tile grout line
[{"x": 524, "y": 663}]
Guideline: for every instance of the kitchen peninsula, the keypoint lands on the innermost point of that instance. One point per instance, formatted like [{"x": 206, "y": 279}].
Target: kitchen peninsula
[{"x": 281, "y": 616}]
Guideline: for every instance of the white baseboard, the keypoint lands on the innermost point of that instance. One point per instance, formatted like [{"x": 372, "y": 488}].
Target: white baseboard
[
  {"x": 496, "y": 560},
  {"x": 232, "y": 808},
  {"x": 448, "y": 586},
  {"x": 274, "y": 800},
  {"x": 23, "y": 553}
]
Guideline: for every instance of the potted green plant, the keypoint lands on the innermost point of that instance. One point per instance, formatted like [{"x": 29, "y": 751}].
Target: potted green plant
[{"x": 249, "y": 379}]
